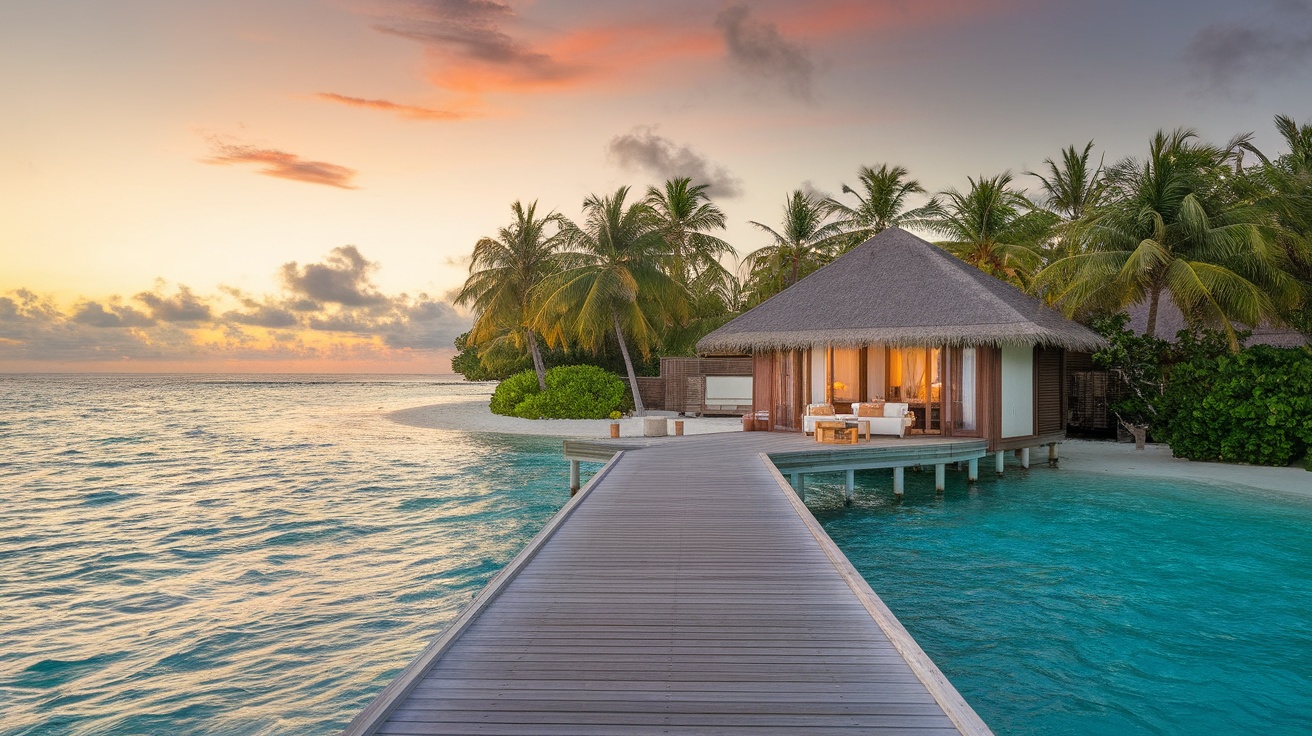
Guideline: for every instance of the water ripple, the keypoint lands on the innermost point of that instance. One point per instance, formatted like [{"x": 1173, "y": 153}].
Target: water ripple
[{"x": 205, "y": 555}]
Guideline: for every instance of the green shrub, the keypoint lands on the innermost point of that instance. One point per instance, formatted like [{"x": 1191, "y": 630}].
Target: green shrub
[
  {"x": 512, "y": 392},
  {"x": 1254, "y": 406},
  {"x": 573, "y": 392}
]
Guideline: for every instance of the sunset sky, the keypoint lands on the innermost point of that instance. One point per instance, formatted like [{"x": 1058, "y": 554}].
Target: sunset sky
[{"x": 294, "y": 185}]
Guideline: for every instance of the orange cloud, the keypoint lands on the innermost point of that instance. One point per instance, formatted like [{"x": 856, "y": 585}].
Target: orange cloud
[
  {"x": 280, "y": 164},
  {"x": 406, "y": 111}
]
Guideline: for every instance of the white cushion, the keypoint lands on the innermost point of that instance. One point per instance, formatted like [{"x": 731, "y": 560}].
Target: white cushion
[{"x": 895, "y": 410}]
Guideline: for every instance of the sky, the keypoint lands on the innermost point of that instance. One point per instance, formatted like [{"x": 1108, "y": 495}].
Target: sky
[{"x": 296, "y": 185}]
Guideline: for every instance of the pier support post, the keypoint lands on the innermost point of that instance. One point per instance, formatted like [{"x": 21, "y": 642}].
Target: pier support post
[
  {"x": 799, "y": 485},
  {"x": 573, "y": 477},
  {"x": 899, "y": 481},
  {"x": 1000, "y": 460},
  {"x": 972, "y": 470},
  {"x": 940, "y": 482},
  {"x": 1025, "y": 458},
  {"x": 850, "y": 491},
  {"x": 1052, "y": 454}
]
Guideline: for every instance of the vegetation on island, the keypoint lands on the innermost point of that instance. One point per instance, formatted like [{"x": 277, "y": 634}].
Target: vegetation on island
[
  {"x": 1223, "y": 232},
  {"x": 571, "y": 392}
]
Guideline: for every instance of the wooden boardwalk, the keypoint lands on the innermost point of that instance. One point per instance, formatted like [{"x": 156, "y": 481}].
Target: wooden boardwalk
[{"x": 685, "y": 590}]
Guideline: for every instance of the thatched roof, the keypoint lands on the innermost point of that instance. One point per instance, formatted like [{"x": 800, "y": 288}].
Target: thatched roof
[
  {"x": 1170, "y": 320},
  {"x": 896, "y": 289}
]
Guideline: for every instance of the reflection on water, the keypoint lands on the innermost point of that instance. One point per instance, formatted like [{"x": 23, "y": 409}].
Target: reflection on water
[{"x": 224, "y": 555}]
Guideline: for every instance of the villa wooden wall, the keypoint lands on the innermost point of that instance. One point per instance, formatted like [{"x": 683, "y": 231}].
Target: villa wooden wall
[{"x": 1050, "y": 390}]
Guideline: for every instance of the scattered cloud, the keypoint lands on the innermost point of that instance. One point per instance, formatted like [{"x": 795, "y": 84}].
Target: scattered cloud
[
  {"x": 406, "y": 111},
  {"x": 183, "y": 306},
  {"x": 644, "y": 150},
  {"x": 325, "y": 311},
  {"x": 112, "y": 314},
  {"x": 464, "y": 36},
  {"x": 341, "y": 279},
  {"x": 1224, "y": 55},
  {"x": 758, "y": 49},
  {"x": 280, "y": 164}
]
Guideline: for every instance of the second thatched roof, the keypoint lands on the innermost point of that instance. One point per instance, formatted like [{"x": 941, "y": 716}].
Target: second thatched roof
[{"x": 896, "y": 289}]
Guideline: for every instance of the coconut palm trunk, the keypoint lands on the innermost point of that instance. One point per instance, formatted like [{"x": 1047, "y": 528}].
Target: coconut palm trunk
[
  {"x": 536, "y": 352},
  {"x": 1154, "y": 301},
  {"x": 638, "y": 408}
]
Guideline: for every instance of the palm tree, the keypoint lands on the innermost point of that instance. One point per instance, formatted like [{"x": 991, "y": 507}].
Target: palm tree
[
  {"x": 805, "y": 244},
  {"x": 684, "y": 216},
  {"x": 880, "y": 205},
  {"x": 1071, "y": 190},
  {"x": 505, "y": 273},
  {"x": 617, "y": 285},
  {"x": 1299, "y": 140},
  {"x": 992, "y": 227},
  {"x": 1170, "y": 226}
]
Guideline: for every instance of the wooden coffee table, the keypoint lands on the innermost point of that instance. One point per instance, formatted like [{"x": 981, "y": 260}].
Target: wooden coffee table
[{"x": 836, "y": 433}]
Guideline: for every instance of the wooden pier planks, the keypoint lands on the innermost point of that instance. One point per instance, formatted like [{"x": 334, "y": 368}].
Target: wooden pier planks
[{"x": 681, "y": 592}]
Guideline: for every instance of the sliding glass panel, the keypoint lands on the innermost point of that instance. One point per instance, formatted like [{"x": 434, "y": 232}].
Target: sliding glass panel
[
  {"x": 847, "y": 375},
  {"x": 963, "y": 390}
]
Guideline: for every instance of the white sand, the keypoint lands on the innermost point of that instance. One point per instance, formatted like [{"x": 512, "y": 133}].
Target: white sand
[
  {"x": 473, "y": 415},
  {"x": 1085, "y": 456},
  {"x": 1155, "y": 461}
]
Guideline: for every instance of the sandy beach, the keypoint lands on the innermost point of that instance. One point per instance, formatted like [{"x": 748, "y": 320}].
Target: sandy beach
[{"x": 1085, "y": 456}]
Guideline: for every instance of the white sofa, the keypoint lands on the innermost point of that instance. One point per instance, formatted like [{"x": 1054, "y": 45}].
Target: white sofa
[
  {"x": 892, "y": 422},
  {"x": 809, "y": 419}
]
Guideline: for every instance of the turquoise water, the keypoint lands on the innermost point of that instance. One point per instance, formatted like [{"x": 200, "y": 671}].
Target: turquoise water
[
  {"x": 1057, "y": 604},
  {"x": 260, "y": 555},
  {"x": 227, "y": 555}
]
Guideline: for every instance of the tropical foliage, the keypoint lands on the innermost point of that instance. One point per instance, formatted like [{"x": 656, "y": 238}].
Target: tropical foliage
[
  {"x": 1224, "y": 232},
  {"x": 617, "y": 286},
  {"x": 881, "y": 203},
  {"x": 572, "y": 392},
  {"x": 1173, "y": 225},
  {"x": 806, "y": 240},
  {"x": 505, "y": 273},
  {"x": 993, "y": 227}
]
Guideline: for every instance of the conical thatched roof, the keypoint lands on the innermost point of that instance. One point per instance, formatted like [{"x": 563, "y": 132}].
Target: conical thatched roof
[{"x": 896, "y": 289}]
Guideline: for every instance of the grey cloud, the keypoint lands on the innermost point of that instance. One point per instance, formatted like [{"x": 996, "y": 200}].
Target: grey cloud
[
  {"x": 96, "y": 314},
  {"x": 759, "y": 49},
  {"x": 470, "y": 29},
  {"x": 1224, "y": 54},
  {"x": 257, "y": 313},
  {"x": 644, "y": 150},
  {"x": 183, "y": 306},
  {"x": 343, "y": 279},
  {"x": 425, "y": 325},
  {"x": 335, "y": 295}
]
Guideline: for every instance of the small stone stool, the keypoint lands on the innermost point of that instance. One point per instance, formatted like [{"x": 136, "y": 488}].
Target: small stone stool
[{"x": 654, "y": 427}]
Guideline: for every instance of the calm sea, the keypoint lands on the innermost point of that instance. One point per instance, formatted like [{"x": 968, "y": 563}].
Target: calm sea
[
  {"x": 260, "y": 555},
  {"x": 236, "y": 554}
]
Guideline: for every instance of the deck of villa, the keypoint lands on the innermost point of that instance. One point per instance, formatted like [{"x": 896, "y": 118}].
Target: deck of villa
[{"x": 685, "y": 589}]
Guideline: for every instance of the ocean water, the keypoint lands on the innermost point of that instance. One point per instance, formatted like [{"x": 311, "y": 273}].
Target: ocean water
[
  {"x": 239, "y": 555},
  {"x": 260, "y": 555},
  {"x": 1064, "y": 604}
]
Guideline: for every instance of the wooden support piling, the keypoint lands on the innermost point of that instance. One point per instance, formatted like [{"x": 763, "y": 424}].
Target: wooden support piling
[
  {"x": 573, "y": 477},
  {"x": 1052, "y": 454},
  {"x": 940, "y": 482},
  {"x": 1000, "y": 461},
  {"x": 850, "y": 491},
  {"x": 899, "y": 481},
  {"x": 1025, "y": 458},
  {"x": 972, "y": 470}
]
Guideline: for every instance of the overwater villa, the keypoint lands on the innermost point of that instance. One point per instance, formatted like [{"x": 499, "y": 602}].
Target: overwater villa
[{"x": 899, "y": 328}]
